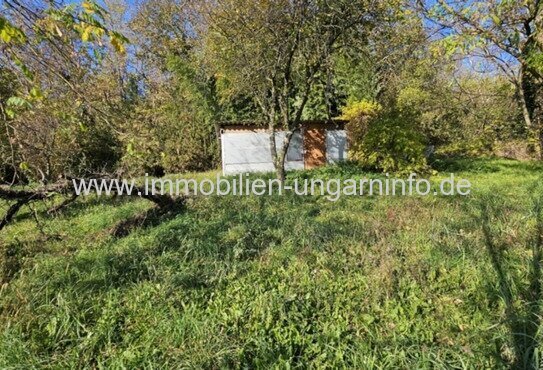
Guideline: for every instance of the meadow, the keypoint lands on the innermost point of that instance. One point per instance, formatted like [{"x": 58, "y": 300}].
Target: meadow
[{"x": 286, "y": 282}]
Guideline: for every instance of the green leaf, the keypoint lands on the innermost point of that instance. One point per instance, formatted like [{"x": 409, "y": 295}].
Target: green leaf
[
  {"x": 26, "y": 71},
  {"x": 88, "y": 6},
  {"x": 17, "y": 101},
  {"x": 130, "y": 148},
  {"x": 93, "y": 9},
  {"x": 36, "y": 93},
  {"x": 10, "y": 33},
  {"x": 495, "y": 19},
  {"x": 86, "y": 35}
]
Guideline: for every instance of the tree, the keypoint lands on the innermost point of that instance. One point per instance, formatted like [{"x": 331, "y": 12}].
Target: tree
[
  {"x": 274, "y": 51},
  {"x": 45, "y": 36},
  {"x": 53, "y": 56},
  {"x": 505, "y": 34},
  {"x": 52, "y": 51},
  {"x": 174, "y": 124}
]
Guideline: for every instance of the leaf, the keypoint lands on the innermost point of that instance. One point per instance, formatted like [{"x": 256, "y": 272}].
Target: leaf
[
  {"x": 36, "y": 93},
  {"x": 58, "y": 31},
  {"x": 17, "y": 101},
  {"x": 26, "y": 71},
  {"x": 9, "y": 32},
  {"x": 97, "y": 55},
  {"x": 497, "y": 21},
  {"x": 86, "y": 35},
  {"x": 24, "y": 166},
  {"x": 118, "y": 41},
  {"x": 130, "y": 148},
  {"x": 117, "y": 45},
  {"x": 89, "y": 7}
]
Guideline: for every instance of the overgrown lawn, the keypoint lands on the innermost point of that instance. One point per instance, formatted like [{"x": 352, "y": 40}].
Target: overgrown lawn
[{"x": 364, "y": 282}]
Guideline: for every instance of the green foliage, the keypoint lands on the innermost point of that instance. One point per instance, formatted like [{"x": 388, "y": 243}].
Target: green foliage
[
  {"x": 535, "y": 60},
  {"x": 392, "y": 145},
  {"x": 192, "y": 67},
  {"x": 9, "y": 33},
  {"x": 87, "y": 20},
  {"x": 469, "y": 114},
  {"x": 475, "y": 147},
  {"x": 15, "y": 103},
  {"x": 359, "y": 110},
  {"x": 70, "y": 142},
  {"x": 384, "y": 140},
  {"x": 98, "y": 151},
  {"x": 356, "y": 76},
  {"x": 175, "y": 128},
  {"x": 53, "y": 34},
  {"x": 499, "y": 36}
]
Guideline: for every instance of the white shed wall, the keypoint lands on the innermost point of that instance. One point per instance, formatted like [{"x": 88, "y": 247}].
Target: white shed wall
[
  {"x": 249, "y": 151},
  {"x": 336, "y": 146}
]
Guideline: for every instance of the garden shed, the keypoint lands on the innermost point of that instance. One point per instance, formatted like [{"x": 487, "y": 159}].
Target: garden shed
[{"x": 246, "y": 148}]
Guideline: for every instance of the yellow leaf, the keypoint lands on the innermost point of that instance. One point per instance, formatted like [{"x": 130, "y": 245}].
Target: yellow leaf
[
  {"x": 117, "y": 44},
  {"x": 35, "y": 93},
  {"x": 89, "y": 7},
  {"x": 89, "y": 33}
]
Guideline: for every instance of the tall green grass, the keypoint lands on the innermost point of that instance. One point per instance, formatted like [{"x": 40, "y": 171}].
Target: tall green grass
[{"x": 287, "y": 282}]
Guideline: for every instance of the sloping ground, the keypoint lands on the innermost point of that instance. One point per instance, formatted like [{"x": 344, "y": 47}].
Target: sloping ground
[{"x": 363, "y": 282}]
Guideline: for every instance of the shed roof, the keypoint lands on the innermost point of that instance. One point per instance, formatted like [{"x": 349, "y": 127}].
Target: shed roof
[{"x": 256, "y": 126}]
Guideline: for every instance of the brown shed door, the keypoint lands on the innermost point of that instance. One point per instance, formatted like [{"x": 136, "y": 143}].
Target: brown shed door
[{"x": 314, "y": 147}]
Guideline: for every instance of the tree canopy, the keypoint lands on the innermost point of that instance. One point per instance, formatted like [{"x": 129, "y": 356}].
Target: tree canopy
[{"x": 89, "y": 87}]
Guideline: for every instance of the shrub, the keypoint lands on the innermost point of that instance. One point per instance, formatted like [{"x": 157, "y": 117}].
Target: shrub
[
  {"x": 56, "y": 139},
  {"x": 386, "y": 140}
]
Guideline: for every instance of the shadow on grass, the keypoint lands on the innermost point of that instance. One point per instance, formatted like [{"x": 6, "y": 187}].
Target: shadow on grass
[
  {"x": 79, "y": 206},
  {"x": 133, "y": 261},
  {"x": 467, "y": 164},
  {"x": 83, "y": 204},
  {"x": 483, "y": 165},
  {"x": 200, "y": 247},
  {"x": 154, "y": 216},
  {"x": 523, "y": 305}
]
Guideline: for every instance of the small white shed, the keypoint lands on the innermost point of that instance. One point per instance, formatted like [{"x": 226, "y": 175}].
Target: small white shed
[{"x": 247, "y": 148}]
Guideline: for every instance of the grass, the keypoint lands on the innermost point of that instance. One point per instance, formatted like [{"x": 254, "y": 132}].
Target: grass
[{"x": 299, "y": 282}]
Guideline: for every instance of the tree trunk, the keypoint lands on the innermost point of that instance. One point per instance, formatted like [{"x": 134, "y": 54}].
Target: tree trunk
[
  {"x": 541, "y": 143},
  {"x": 280, "y": 167},
  {"x": 524, "y": 104},
  {"x": 274, "y": 154},
  {"x": 282, "y": 156},
  {"x": 530, "y": 92},
  {"x": 538, "y": 42},
  {"x": 66, "y": 188},
  {"x": 279, "y": 156}
]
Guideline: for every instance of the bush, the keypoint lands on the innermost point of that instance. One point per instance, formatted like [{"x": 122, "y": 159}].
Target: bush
[
  {"x": 57, "y": 139},
  {"x": 171, "y": 140},
  {"x": 385, "y": 140}
]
